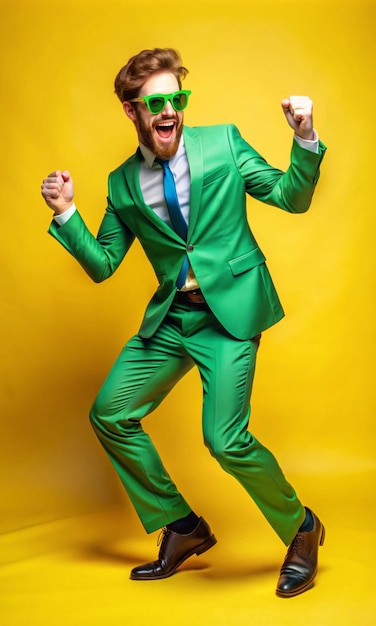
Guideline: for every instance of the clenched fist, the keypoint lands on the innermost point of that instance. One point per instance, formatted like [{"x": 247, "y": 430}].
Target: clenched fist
[
  {"x": 57, "y": 190},
  {"x": 298, "y": 112}
]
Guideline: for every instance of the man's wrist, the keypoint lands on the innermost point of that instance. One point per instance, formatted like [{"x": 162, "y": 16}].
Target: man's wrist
[
  {"x": 62, "y": 218},
  {"x": 308, "y": 144}
]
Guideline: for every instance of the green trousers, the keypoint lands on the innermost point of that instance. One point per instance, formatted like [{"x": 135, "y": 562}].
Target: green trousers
[{"x": 145, "y": 371}]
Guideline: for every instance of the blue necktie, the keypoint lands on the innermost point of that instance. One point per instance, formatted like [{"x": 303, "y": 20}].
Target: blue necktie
[{"x": 176, "y": 216}]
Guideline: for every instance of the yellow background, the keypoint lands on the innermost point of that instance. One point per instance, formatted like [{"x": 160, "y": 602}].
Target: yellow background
[{"x": 314, "y": 394}]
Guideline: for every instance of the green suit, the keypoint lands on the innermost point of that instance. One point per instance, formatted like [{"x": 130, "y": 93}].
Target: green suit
[{"x": 242, "y": 302}]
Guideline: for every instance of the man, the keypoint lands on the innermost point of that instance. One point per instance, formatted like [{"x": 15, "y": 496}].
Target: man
[{"x": 183, "y": 195}]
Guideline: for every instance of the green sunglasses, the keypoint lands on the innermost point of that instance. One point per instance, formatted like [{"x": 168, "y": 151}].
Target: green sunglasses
[{"x": 157, "y": 101}]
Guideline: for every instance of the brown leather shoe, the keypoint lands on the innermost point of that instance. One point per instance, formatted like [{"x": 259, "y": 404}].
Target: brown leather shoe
[
  {"x": 300, "y": 565},
  {"x": 175, "y": 549}
]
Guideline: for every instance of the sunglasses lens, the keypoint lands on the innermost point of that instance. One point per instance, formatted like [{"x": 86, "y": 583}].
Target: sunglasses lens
[
  {"x": 181, "y": 101},
  {"x": 156, "y": 104},
  {"x": 178, "y": 102}
]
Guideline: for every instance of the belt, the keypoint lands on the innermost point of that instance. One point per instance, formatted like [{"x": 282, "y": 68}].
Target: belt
[{"x": 190, "y": 297}]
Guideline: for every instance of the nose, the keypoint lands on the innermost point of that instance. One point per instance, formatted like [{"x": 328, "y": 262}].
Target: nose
[{"x": 168, "y": 111}]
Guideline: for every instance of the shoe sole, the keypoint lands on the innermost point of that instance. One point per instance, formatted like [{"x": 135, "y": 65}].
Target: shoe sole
[{"x": 203, "y": 547}]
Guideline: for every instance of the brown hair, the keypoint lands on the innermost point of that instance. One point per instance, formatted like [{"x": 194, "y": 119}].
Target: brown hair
[{"x": 133, "y": 75}]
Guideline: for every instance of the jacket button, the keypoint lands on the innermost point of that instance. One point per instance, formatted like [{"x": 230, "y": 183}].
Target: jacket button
[{"x": 190, "y": 248}]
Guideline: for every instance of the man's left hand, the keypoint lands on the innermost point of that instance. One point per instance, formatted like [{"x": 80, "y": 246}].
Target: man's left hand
[{"x": 298, "y": 112}]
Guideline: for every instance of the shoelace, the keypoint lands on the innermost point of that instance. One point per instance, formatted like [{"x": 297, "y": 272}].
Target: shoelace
[
  {"x": 162, "y": 535},
  {"x": 296, "y": 544}
]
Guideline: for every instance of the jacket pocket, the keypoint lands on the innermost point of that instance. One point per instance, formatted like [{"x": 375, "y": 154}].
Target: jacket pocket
[
  {"x": 220, "y": 172},
  {"x": 246, "y": 261}
]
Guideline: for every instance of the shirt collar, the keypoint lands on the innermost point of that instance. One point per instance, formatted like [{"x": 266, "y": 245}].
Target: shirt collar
[{"x": 150, "y": 157}]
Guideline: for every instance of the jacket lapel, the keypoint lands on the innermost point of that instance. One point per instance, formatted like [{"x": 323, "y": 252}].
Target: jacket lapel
[
  {"x": 132, "y": 178},
  {"x": 193, "y": 148}
]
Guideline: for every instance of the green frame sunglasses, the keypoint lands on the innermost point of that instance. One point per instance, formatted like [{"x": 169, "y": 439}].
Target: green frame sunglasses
[{"x": 156, "y": 102}]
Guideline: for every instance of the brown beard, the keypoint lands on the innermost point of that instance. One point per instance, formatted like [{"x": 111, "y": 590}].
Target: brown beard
[{"x": 147, "y": 138}]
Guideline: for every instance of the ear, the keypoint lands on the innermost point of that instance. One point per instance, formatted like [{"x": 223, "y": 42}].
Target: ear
[{"x": 129, "y": 110}]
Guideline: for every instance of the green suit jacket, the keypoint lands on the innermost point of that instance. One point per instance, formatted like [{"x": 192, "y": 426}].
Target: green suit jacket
[{"x": 229, "y": 265}]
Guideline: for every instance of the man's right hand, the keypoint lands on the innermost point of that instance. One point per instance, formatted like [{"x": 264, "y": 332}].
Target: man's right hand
[{"x": 57, "y": 190}]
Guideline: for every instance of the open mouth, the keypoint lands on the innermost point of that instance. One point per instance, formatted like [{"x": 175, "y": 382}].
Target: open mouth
[{"x": 165, "y": 130}]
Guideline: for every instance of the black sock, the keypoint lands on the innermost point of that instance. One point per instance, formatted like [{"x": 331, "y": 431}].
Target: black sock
[
  {"x": 308, "y": 523},
  {"x": 185, "y": 525}
]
